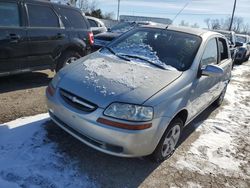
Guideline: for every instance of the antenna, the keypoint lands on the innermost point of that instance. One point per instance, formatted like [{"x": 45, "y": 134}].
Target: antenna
[{"x": 179, "y": 13}]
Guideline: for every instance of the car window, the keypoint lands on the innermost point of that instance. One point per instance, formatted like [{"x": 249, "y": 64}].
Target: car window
[
  {"x": 210, "y": 54},
  {"x": 9, "y": 15},
  {"x": 74, "y": 17},
  {"x": 42, "y": 16},
  {"x": 223, "y": 49},
  {"x": 92, "y": 23},
  {"x": 162, "y": 47}
]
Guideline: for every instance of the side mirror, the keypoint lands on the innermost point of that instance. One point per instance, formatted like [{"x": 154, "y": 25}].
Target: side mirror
[
  {"x": 212, "y": 70},
  {"x": 238, "y": 44}
]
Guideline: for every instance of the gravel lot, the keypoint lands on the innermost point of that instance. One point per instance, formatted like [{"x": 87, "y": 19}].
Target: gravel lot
[
  {"x": 214, "y": 152},
  {"x": 23, "y": 95}
]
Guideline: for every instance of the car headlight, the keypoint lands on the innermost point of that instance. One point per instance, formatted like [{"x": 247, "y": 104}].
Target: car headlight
[
  {"x": 55, "y": 81},
  {"x": 130, "y": 112}
]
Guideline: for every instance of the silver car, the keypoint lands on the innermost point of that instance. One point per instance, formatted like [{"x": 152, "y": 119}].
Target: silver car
[{"x": 133, "y": 97}]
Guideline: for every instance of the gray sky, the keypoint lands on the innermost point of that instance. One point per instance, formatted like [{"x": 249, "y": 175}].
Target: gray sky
[{"x": 196, "y": 11}]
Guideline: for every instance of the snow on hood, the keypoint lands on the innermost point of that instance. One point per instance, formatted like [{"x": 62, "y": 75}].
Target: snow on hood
[{"x": 104, "y": 76}]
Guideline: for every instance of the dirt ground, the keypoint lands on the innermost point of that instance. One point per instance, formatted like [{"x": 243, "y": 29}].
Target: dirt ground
[{"x": 23, "y": 95}]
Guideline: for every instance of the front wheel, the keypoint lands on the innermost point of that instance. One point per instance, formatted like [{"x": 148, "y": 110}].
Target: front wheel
[{"x": 169, "y": 141}]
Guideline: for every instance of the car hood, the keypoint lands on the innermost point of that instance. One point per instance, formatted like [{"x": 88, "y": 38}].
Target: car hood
[
  {"x": 103, "y": 79},
  {"x": 107, "y": 36}
]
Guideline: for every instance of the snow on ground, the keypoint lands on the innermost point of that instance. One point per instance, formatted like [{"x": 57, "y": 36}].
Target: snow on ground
[
  {"x": 28, "y": 159},
  {"x": 217, "y": 149}
]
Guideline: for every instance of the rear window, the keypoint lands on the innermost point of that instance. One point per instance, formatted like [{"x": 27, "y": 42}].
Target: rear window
[
  {"x": 9, "y": 15},
  {"x": 74, "y": 18},
  {"x": 171, "y": 49},
  {"x": 92, "y": 23},
  {"x": 42, "y": 16}
]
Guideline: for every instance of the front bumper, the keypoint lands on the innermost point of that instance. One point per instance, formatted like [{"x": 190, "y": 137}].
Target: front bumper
[{"x": 107, "y": 139}]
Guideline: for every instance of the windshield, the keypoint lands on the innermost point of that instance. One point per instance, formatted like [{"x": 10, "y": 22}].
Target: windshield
[
  {"x": 122, "y": 27},
  {"x": 241, "y": 39},
  {"x": 162, "y": 48}
]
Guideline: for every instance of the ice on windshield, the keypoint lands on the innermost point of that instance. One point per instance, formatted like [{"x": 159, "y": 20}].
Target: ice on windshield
[{"x": 171, "y": 50}]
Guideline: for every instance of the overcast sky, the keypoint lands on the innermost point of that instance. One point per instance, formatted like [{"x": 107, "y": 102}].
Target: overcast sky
[{"x": 196, "y": 10}]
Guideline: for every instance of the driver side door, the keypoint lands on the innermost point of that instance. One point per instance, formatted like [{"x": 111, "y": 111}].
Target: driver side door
[{"x": 204, "y": 86}]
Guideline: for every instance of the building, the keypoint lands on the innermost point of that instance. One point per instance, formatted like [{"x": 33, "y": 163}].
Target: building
[{"x": 144, "y": 18}]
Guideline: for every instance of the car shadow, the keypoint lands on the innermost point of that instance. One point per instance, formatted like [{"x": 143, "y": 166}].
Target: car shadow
[
  {"x": 24, "y": 81},
  {"x": 108, "y": 170}
]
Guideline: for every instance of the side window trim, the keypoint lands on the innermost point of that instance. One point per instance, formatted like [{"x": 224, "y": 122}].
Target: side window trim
[{"x": 50, "y": 7}]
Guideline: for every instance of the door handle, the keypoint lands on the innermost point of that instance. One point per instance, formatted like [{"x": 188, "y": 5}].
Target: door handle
[
  {"x": 60, "y": 35},
  {"x": 13, "y": 37}
]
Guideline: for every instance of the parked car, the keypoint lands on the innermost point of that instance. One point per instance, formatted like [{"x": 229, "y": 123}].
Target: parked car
[
  {"x": 133, "y": 97},
  {"x": 231, "y": 37},
  {"x": 243, "y": 45},
  {"x": 37, "y": 35},
  {"x": 104, "y": 38},
  {"x": 97, "y": 26}
]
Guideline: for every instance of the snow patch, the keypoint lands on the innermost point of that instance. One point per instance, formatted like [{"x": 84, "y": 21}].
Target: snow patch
[
  {"x": 215, "y": 150},
  {"x": 28, "y": 159}
]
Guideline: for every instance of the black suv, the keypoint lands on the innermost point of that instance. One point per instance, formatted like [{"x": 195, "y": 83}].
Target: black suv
[{"x": 37, "y": 35}]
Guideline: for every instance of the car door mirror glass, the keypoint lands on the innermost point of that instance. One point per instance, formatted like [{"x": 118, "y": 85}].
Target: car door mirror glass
[{"x": 212, "y": 70}]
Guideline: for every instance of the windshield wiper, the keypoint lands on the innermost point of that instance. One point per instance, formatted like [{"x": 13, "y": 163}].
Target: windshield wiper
[
  {"x": 118, "y": 55},
  {"x": 144, "y": 59}
]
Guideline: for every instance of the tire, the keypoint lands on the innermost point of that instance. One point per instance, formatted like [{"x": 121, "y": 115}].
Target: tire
[
  {"x": 168, "y": 143},
  {"x": 220, "y": 99},
  {"x": 67, "y": 57},
  {"x": 247, "y": 58}
]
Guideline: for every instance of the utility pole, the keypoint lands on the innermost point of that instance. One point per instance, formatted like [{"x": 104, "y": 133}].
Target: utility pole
[
  {"x": 231, "y": 23},
  {"x": 118, "y": 10}
]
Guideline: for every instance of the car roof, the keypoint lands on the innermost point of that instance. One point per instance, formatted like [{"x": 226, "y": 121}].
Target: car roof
[
  {"x": 189, "y": 30},
  {"x": 224, "y": 31},
  {"x": 52, "y": 3}
]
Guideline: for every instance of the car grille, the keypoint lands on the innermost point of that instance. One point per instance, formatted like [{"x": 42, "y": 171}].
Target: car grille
[{"x": 77, "y": 102}]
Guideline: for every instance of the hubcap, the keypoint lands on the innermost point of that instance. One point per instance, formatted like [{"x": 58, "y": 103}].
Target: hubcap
[
  {"x": 70, "y": 60},
  {"x": 171, "y": 140}
]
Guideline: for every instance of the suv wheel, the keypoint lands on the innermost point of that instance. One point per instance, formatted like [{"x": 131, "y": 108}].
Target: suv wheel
[
  {"x": 67, "y": 58},
  {"x": 169, "y": 141}
]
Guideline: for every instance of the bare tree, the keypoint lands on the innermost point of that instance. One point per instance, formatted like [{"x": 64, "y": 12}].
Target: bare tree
[
  {"x": 83, "y": 5},
  {"x": 237, "y": 26},
  {"x": 215, "y": 24},
  {"x": 208, "y": 22}
]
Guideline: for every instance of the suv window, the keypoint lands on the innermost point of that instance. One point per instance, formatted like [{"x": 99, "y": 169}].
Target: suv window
[
  {"x": 74, "y": 17},
  {"x": 223, "y": 49},
  {"x": 210, "y": 54},
  {"x": 92, "y": 23},
  {"x": 9, "y": 15},
  {"x": 42, "y": 16}
]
